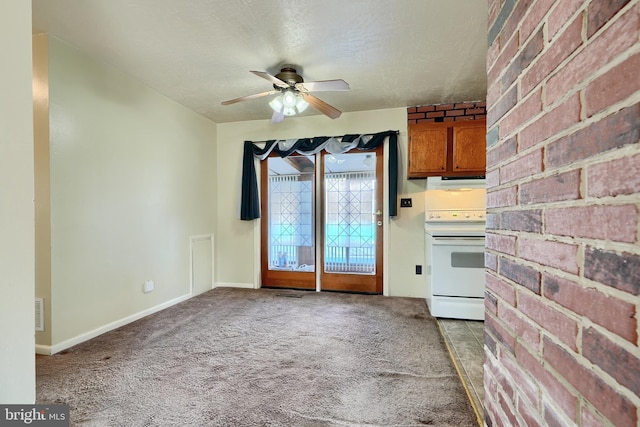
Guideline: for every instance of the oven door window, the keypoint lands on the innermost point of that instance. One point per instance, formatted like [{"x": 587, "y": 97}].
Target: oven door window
[
  {"x": 467, "y": 259},
  {"x": 457, "y": 266}
]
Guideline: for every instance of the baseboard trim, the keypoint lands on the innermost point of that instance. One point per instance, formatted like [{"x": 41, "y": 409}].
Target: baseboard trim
[
  {"x": 49, "y": 350},
  {"x": 235, "y": 285},
  {"x": 43, "y": 349}
]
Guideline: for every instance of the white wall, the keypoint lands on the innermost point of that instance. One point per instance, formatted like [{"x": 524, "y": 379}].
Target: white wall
[
  {"x": 237, "y": 241},
  {"x": 17, "y": 372},
  {"x": 132, "y": 178}
]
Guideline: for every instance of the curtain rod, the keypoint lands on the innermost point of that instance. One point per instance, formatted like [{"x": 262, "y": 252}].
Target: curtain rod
[{"x": 397, "y": 132}]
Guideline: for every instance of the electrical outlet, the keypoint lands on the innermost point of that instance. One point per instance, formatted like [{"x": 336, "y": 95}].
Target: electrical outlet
[
  {"x": 405, "y": 203},
  {"x": 418, "y": 269},
  {"x": 148, "y": 286}
]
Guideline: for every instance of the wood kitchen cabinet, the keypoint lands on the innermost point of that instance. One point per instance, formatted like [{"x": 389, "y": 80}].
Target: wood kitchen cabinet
[{"x": 447, "y": 149}]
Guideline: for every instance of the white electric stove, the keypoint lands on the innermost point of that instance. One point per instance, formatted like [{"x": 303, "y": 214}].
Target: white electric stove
[{"x": 454, "y": 236}]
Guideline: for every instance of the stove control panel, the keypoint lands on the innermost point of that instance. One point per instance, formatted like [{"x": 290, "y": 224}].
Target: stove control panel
[{"x": 436, "y": 215}]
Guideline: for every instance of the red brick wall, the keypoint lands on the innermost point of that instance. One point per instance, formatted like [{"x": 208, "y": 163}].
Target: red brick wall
[
  {"x": 563, "y": 175},
  {"x": 470, "y": 110}
]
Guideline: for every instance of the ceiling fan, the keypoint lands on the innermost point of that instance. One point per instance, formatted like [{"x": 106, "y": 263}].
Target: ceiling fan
[{"x": 294, "y": 94}]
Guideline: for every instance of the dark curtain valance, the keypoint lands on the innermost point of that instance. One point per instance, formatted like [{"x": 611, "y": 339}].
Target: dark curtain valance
[{"x": 250, "y": 200}]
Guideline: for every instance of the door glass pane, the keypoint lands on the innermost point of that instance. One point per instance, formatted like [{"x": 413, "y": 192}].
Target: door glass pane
[
  {"x": 291, "y": 244},
  {"x": 350, "y": 184}
]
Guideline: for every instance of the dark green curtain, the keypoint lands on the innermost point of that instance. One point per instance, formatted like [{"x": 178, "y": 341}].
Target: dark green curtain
[{"x": 250, "y": 198}]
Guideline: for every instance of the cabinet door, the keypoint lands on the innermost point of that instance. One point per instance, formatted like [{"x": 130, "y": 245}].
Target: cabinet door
[
  {"x": 427, "y": 152},
  {"x": 470, "y": 148}
]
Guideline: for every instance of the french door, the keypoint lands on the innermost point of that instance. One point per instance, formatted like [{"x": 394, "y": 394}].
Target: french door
[{"x": 322, "y": 221}]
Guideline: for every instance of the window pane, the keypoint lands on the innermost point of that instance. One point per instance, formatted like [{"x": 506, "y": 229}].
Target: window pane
[
  {"x": 291, "y": 189},
  {"x": 350, "y": 184}
]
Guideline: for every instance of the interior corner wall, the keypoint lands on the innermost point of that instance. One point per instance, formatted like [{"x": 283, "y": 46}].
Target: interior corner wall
[
  {"x": 237, "y": 241},
  {"x": 132, "y": 177},
  {"x": 17, "y": 360},
  {"x": 41, "y": 176},
  {"x": 563, "y": 256}
]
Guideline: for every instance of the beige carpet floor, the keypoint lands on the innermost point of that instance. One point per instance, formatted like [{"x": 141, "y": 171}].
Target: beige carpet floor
[{"x": 239, "y": 357}]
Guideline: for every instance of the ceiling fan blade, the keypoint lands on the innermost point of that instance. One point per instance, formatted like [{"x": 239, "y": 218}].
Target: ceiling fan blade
[
  {"x": 254, "y": 96},
  {"x": 321, "y": 106},
  {"x": 323, "y": 86},
  {"x": 276, "y": 81},
  {"x": 277, "y": 117}
]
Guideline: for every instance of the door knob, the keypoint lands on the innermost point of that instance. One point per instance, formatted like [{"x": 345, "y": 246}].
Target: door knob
[{"x": 378, "y": 212}]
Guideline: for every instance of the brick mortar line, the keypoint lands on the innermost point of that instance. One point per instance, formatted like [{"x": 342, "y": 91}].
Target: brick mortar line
[
  {"x": 540, "y": 268},
  {"x": 620, "y": 200},
  {"x": 582, "y": 122},
  {"x": 630, "y": 5},
  {"x": 490, "y": 407},
  {"x": 619, "y": 153},
  {"x": 583, "y": 84},
  {"x": 633, "y": 247},
  {"x": 582, "y": 322},
  {"x": 583, "y": 201},
  {"x": 497, "y": 101},
  {"x": 608, "y": 245},
  {"x": 475, "y": 102},
  {"x": 579, "y": 357},
  {"x": 587, "y": 323},
  {"x": 521, "y": 45},
  {"x": 582, "y": 400},
  {"x": 562, "y": 273},
  {"x": 539, "y": 405},
  {"x": 518, "y": 395},
  {"x": 579, "y": 278},
  {"x": 548, "y": 43},
  {"x": 501, "y": 50},
  {"x": 576, "y": 127}
]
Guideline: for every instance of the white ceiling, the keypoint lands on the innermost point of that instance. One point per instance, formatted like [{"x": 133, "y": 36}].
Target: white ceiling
[{"x": 393, "y": 53}]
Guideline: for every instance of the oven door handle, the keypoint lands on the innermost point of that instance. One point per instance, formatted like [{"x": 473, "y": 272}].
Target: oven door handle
[{"x": 459, "y": 241}]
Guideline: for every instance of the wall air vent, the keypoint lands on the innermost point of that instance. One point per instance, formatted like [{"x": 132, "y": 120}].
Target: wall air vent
[{"x": 39, "y": 314}]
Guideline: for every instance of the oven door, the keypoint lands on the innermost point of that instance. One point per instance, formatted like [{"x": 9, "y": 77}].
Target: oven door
[{"x": 457, "y": 266}]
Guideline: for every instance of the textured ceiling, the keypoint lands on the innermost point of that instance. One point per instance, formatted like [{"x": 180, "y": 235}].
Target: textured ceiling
[{"x": 393, "y": 53}]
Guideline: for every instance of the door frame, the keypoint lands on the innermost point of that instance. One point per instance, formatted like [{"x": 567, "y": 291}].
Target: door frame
[{"x": 257, "y": 230}]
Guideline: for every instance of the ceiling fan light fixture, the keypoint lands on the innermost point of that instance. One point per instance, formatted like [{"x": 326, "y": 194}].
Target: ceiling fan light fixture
[
  {"x": 289, "y": 98},
  {"x": 289, "y": 103},
  {"x": 301, "y": 105},
  {"x": 276, "y": 104},
  {"x": 293, "y": 95},
  {"x": 289, "y": 111}
]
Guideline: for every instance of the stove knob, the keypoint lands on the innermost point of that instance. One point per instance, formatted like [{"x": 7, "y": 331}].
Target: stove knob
[{"x": 467, "y": 215}]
